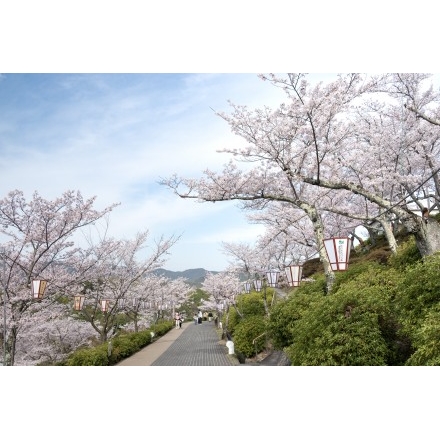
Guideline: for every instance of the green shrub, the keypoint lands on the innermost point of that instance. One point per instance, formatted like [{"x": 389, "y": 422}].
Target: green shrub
[
  {"x": 419, "y": 291},
  {"x": 407, "y": 254},
  {"x": 121, "y": 347},
  {"x": 317, "y": 286},
  {"x": 161, "y": 328},
  {"x": 426, "y": 341},
  {"x": 128, "y": 344},
  {"x": 348, "y": 327},
  {"x": 246, "y": 331},
  {"x": 251, "y": 304},
  {"x": 284, "y": 314},
  {"x": 93, "y": 356},
  {"x": 230, "y": 320},
  {"x": 417, "y": 307}
]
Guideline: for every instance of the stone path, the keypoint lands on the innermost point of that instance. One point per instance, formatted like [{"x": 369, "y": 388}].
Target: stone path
[{"x": 198, "y": 345}]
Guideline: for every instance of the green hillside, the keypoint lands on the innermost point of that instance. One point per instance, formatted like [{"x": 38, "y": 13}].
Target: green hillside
[
  {"x": 194, "y": 277},
  {"x": 382, "y": 311}
]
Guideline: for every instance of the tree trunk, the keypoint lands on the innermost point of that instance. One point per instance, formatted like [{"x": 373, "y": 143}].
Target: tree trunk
[
  {"x": 428, "y": 236},
  {"x": 103, "y": 335},
  {"x": 389, "y": 235},
  {"x": 318, "y": 229},
  {"x": 11, "y": 347}
]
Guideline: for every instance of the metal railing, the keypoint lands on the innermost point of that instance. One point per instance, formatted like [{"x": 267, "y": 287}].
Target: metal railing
[{"x": 255, "y": 341}]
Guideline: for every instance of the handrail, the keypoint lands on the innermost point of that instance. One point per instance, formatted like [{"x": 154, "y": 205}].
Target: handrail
[{"x": 253, "y": 342}]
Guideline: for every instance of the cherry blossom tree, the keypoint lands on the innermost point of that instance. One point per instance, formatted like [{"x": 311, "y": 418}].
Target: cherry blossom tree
[
  {"x": 385, "y": 160},
  {"x": 45, "y": 341},
  {"x": 281, "y": 144},
  {"x": 119, "y": 280},
  {"x": 222, "y": 288},
  {"x": 345, "y": 147},
  {"x": 37, "y": 243}
]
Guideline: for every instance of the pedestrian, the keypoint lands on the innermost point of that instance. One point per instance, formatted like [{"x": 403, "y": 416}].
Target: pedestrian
[
  {"x": 177, "y": 319},
  {"x": 200, "y": 317},
  {"x": 195, "y": 318},
  {"x": 180, "y": 321}
]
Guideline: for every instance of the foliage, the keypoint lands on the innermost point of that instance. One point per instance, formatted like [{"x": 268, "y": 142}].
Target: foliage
[
  {"x": 160, "y": 328},
  {"x": 248, "y": 330},
  {"x": 407, "y": 254},
  {"x": 193, "y": 302},
  {"x": 317, "y": 285},
  {"x": 426, "y": 341},
  {"x": 417, "y": 305},
  {"x": 230, "y": 320},
  {"x": 348, "y": 327},
  {"x": 94, "y": 356},
  {"x": 119, "y": 347},
  {"x": 353, "y": 271},
  {"x": 284, "y": 315},
  {"x": 251, "y": 304}
]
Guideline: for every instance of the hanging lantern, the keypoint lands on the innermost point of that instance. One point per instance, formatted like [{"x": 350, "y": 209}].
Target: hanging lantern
[
  {"x": 272, "y": 278},
  {"x": 294, "y": 274},
  {"x": 104, "y": 305},
  {"x": 258, "y": 284},
  {"x": 247, "y": 286},
  {"x": 78, "y": 302},
  {"x": 38, "y": 288},
  {"x": 338, "y": 252}
]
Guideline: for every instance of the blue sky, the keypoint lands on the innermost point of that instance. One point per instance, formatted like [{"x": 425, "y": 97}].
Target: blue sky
[{"x": 114, "y": 135}]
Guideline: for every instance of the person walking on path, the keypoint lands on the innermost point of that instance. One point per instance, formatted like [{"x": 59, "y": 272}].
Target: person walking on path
[
  {"x": 177, "y": 319},
  {"x": 200, "y": 316},
  {"x": 195, "y": 318}
]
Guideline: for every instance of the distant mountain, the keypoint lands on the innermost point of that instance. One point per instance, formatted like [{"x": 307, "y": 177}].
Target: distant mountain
[{"x": 195, "y": 277}]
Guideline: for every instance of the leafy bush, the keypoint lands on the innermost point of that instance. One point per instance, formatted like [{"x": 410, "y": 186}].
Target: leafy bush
[
  {"x": 94, "y": 356},
  {"x": 249, "y": 305},
  {"x": 161, "y": 328},
  {"x": 419, "y": 291},
  {"x": 426, "y": 341},
  {"x": 407, "y": 254},
  {"x": 317, "y": 286},
  {"x": 230, "y": 320},
  {"x": 127, "y": 344},
  {"x": 121, "y": 347},
  {"x": 349, "y": 326},
  {"x": 246, "y": 331},
  {"x": 284, "y": 314},
  {"x": 417, "y": 307}
]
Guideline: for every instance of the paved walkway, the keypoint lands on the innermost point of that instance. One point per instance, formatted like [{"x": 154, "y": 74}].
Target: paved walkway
[{"x": 192, "y": 345}]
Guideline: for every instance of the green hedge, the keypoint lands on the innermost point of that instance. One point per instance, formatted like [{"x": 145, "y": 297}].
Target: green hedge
[
  {"x": 121, "y": 347},
  {"x": 246, "y": 331}
]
